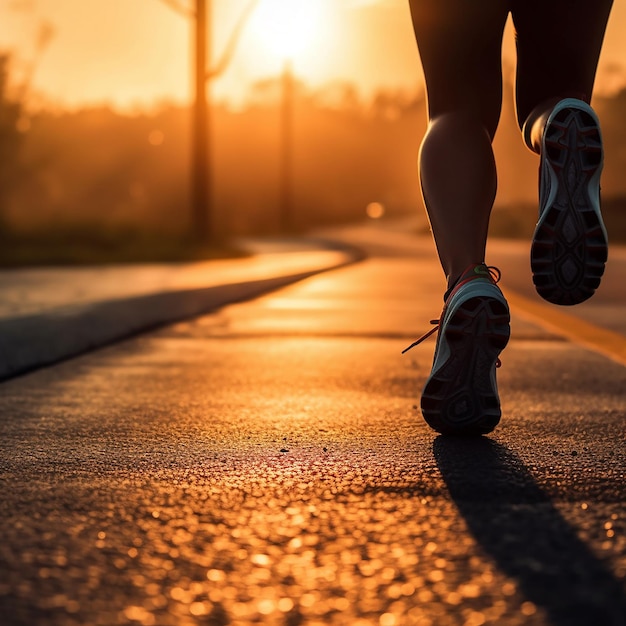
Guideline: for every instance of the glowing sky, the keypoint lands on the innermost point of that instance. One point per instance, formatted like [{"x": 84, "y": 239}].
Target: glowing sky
[{"x": 136, "y": 52}]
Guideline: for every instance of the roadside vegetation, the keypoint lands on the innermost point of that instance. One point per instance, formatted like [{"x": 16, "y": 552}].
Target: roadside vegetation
[{"x": 98, "y": 185}]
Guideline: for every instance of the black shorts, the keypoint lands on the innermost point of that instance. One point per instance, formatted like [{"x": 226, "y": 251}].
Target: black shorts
[{"x": 460, "y": 43}]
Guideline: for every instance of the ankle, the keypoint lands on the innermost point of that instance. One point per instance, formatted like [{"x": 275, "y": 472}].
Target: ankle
[
  {"x": 535, "y": 123},
  {"x": 456, "y": 275}
]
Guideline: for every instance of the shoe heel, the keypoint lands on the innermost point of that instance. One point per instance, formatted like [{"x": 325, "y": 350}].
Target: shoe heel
[
  {"x": 461, "y": 397},
  {"x": 570, "y": 247}
]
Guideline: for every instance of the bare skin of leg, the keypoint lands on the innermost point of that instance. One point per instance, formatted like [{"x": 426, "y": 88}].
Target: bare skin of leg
[
  {"x": 558, "y": 45},
  {"x": 460, "y": 43},
  {"x": 458, "y": 177}
]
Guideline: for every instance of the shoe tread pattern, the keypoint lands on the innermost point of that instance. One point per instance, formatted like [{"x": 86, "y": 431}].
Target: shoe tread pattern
[
  {"x": 569, "y": 248},
  {"x": 460, "y": 397}
]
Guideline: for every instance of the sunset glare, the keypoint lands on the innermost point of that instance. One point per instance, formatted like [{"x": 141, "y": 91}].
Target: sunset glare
[
  {"x": 320, "y": 102},
  {"x": 134, "y": 54},
  {"x": 286, "y": 27}
]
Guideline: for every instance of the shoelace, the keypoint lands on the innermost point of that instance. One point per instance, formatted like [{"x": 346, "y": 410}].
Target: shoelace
[
  {"x": 494, "y": 272},
  {"x": 424, "y": 336},
  {"x": 495, "y": 275}
]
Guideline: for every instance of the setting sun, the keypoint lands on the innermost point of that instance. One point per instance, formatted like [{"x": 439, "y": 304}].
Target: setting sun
[{"x": 286, "y": 27}]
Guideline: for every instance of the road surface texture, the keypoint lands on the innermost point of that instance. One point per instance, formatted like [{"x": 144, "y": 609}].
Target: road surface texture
[
  {"x": 48, "y": 314},
  {"x": 267, "y": 464}
]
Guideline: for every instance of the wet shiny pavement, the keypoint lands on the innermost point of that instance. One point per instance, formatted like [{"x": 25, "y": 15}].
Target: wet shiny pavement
[{"x": 267, "y": 465}]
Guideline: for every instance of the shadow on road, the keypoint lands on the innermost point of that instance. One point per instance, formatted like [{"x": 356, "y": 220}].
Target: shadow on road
[{"x": 516, "y": 523}]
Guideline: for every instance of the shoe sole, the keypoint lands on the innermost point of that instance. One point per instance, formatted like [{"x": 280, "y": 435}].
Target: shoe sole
[
  {"x": 461, "y": 396},
  {"x": 570, "y": 246}
]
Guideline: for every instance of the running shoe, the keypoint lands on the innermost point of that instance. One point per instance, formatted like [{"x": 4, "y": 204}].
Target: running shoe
[
  {"x": 570, "y": 244},
  {"x": 461, "y": 394}
]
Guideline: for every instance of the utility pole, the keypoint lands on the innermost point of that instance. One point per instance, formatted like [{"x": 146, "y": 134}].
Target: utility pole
[
  {"x": 202, "y": 223},
  {"x": 201, "y": 175},
  {"x": 286, "y": 149}
]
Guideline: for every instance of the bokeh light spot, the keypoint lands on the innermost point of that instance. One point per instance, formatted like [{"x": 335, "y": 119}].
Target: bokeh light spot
[
  {"x": 156, "y": 137},
  {"x": 266, "y": 606},
  {"x": 198, "y": 608},
  {"x": 375, "y": 210},
  {"x": 387, "y": 619},
  {"x": 285, "y": 605}
]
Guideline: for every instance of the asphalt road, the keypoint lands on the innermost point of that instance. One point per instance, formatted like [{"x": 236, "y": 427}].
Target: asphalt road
[{"x": 266, "y": 464}]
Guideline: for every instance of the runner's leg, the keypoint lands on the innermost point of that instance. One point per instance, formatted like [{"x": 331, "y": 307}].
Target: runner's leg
[
  {"x": 559, "y": 44},
  {"x": 460, "y": 48},
  {"x": 558, "y": 47}
]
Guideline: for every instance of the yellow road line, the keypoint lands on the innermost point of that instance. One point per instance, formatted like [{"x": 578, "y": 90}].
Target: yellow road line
[{"x": 606, "y": 342}]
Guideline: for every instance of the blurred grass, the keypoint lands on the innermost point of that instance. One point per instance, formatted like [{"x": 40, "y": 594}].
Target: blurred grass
[
  {"x": 517, "y": 221},
  {"x": 91, "y": 245},
  {"x": 88, "y": 244}
]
